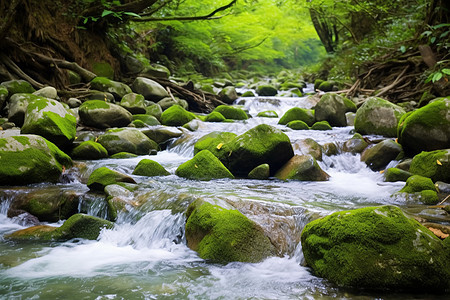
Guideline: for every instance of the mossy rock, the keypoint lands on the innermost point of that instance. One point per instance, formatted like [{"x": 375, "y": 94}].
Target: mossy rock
[
  {"x": 330, "y": 149},
  {"x": 127, "y": 140},
  {"x": 118, "y": 89},
  {"x": 216, "y": 142},
  {"x": 27, "y": 159},
  {"x": 332, "y": 108},
  {"x": 3, "y": 96},
  {"x": 326, "y": 86},
  {"x": 203, "y": 166},
  {"x": 228, "y": 94},
  {"x": 356, "y": 144},
  {"x": 154, "y": 110},
  {"x": 302, "y": 168},
  {"x": 167, "y": 102},
  {"x": 150, "y": 89},
  {"x": 376, "y": 248},
  {"x": 225, "y": 235},
  {"x": 215, "y": 116},
  {"x": 89, "y": 150},
  {"x": 18, "y": 87},
  {"x": 176, "y": 116},
  {"x": 162, "y": 134},
  {"x": 17, "y": 109},
  {"x": 297, "y": 125},
  {"x": 123, "y": 155},
  {"x": 260, "y": 172},
  {"x": 134, "y": 103},
  {"x": 395, "y": 174},
  {"x": 427, "y": 128},
  {"x": 322, "y": 125},
  {"x": 378, "y": 116},
  {"x": 101, "y": 114},
  {"x": 266, "y": 90},
  {"x": 103, "y": 176},
  {"x": 317, "y": 83},
  {"x": 103, "y": 69},
  {"x": 231, "y": 112},
  {"x": 248, "y": 94},
  {"x": 433, "y": 164},
  {"x": 77, "y": 226},
  {"x": 298, "y": 114},
  {"x": 417, "y": 183},
  {"x": 148, "y": 167},
  {"x": 309, "y": 146},
  {"x": 146, "y": 119},
  {"x": 267, "y": 114},
  {"x": 378, "y": 157}
]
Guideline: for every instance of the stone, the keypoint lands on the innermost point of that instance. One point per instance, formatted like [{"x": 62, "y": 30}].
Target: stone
[
  {"x": 176, "y": 116},
  {"x": 157, "y": 70},
  {"x": 228, "y": 94},
  {"x": 118, "y": 89},
  {"x": 378, "y": 116},
  {"x": 326, "y": 86},
  {"x": 27, "y": 159},
  {"x": 18, "y": 87},
  {"x": 129, "y": 140},
  {"x": 248, "y": 94},
  {"x": 147, "y": 119},
  {"x": 376, "y": 248},
  {"x": 134, "y": 103},
  {"x": 267, "y": 113},
  {"x": 231, "y": 112},
  {"x": 203, "y": 166},
  {"x": 167, "y": 102},
  {"x": 74, "y": 102},
  {"x": 417, "y": 183},
  {"x": 297, "y": 113},
  {"x": 378, "y": 156},
  {"x": 47, "y": 92},
  {"x": 102, "y": 177},
  {"x": 216, "y": 142},
  {"x": 297, "y": 125},
  {"x": 330, "y": 149},
  {"x": 331, "y": 108},
  {"x": 148, "y": 167},
  {"x": 101, "y": 114},
  {"x": 3, "y": 96},
  {"x": 150, "y": 89},
  {"x": 356, "y": 144},
  {"x": 309, "y": 146},
  {"x": 162, "y": 134},
  {"x": 395, "y": 174},
  {"x": 89, "y": 150},
  {"x": 433, "y": 164},
  {"x": 215, "y": 117},
  {"x": 123, "y": 155},
  {"x": 154, "y": 110},
  {"x": 103, "y": 69},
  {"x": 98, "y": 95},
  {"x": 18, "y": 104},
  {"x": 302, "y": 168},
  {"x": 322, "y": 125},
  {"x": 224, "y": 234},
  {"x": 266, "y": 90},
  {"x": 261, "y": 172}
]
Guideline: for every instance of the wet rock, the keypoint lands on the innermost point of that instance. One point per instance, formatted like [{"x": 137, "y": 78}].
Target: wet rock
[
  {"x": 148, "y": 167},
  {"x": 29, "y": 159},
  {"x": 378, "y": 156},
  {"x": 266, "y": 90},
  {"x": 297, "y": 125},
  {"x": 118, "y": 89},
  {"x": 302, "y": 168},
  {"x": 162, "y": 134},
  {"x": 434, "y": 164},
  {"x": 427, "y": 128},
  {"x": 89, "y": 150},
  {"x": 248, "y": 94},
  {"x": 134, "y": 103},
  {"x": 231, "y": 112},
  {"x": 103, "y": 176},
  {"x": 330, "y": 149},
  {"x": 309, "y": 146},
  {"x": 18, "y": 87},
  {"x": 127, "y": 140},
  {"x": 404, "y": 164},
  {"x": 47, "y": 92},
  {"x": 417, "y": 183},
  {"x": 395, "y": 174},
  {"x": 376, "y": 248},
  {"x": 350, "y": 117},
  {"x": 260, "y": 172},
  {"x": 150, "y": 89},
  {"x": 215, "y": 117},
  {"x": 18, "y": 104},
  {"x": 203, "y": 166},
  {"x": 101, "y": 114},
  {"x": 74, "y": 102},
  {"x": 146, "y": 119},
  {"x": 167, "y": 102},
  {"x": 228, "y": 94},
  {"x": 267, "y": 114},
  {"x": 443, "y": 187},
  {"x": 322, "y": 125},
  {"x": 297, "y": 113},
  {"x": 332, "y": 108},
  {"x": 176, "y": 116},
  {"x": 216, "y": 142},
  {"x": 123, "y": 155},
  {"x": 378, "y": 116},
  {"x": 356, "y": 144},
  {"x": 225, "y": 235},
  {"x": 98, "y": 95},
  {"x": 154, "y": 110},
  {"x": 22, "y": 217}
]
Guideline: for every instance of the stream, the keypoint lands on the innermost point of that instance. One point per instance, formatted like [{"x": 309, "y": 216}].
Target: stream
[{"x": 145, "y": 256}]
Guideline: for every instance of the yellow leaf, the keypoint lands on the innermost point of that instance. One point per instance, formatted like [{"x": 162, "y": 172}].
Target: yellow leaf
[
  {"x": 196, "y": 166},
  {"x": 219, "y": 146},
  {"x": 438, "y": 162},
  {"x": 382, "y": 171}
]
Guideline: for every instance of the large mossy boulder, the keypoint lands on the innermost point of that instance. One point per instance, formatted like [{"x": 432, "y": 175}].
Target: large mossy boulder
[
  {"x": 228, "y": 94},
  {"x": 263, "y": 144},
  {"x": 417, "y": 183},
  {"x": 17, "y": 109},
  {"x": 433, "y": 164},
  {"x": 376, "y": 248},
  {"x": 203, "y": 166},
  {"x": 224, "y": 234},
  {"x": 396, "y": 174},
  {"x": 129, "y": 140},
  {"x": 51, "y": 120},
  {"x": 231, "y": 112},
  {"x": 302, "y": 168},
  {"x": 148, "y": 167},
  {"x": 215, "y": 117},
  {"x": 266, "y": 90},
  {"x": 118, "y": 89},
  {"x": 79, "y": 226},
  {"x": 176, "y": 116},
  {"x": 150, "y": 89},
  {"x": 27, "y": 159},
  {"x": 216, "y": 142},
  {"x": 427, "y": 128},
  {"x": 89, "y": 150},
  {"x": 18, "y": 87},
  {"x": 101, "y": 114},
  {"x": 378, "y": 156},
  {"x": 331, "y": 108},
  {"x": 298, "y": 114},
  {"x": 102, "y": 177},
  {"x": 134, "y": 103},
  {"x": 146, "y": 119},
  {"x": 378, "y": 116},
  {"x": 297, "y": 125}
]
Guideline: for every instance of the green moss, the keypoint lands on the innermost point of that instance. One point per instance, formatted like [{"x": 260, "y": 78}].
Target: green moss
[
  {"x": 260, "y": 172},
  {"x": 297, "y": 113},
  {"x": 123, "y": 155},
  {"x": 417, "y": 183},
  {"x": 267, "y": 114},
  {"x": 429, "y": 197},
  {"x": 103, "y": 176},
  {"x": 89, "y": 150},
  {"x": 395, "y": 174},
  {"x": 298, "y": 125},
  {"x": 94, "y": 104},
  {"x": 248, "y": 94},
  {"x": 215, "y": 116},
  {"x": 326, "y": 86},
  {"x": 225, "y": 235},
  {"x": 176, "y": 116},
  {"x": 266, "y": 90},
  {"x": 351, "y": 106},
  {"x": 103, "y": 69},
  {"x": 147, "y": 119},
  {"x": 317, "y": 83},
  {"x": 434, "y": 164},
  {"x": 231, "y": 112},
  {"x": 322, "y": 125},
  {"x": 216, "y": 142},
  {"x": 203, "y": 166},
  {"x": 148, "y": 167},
  {"x": 18, "y": 86}
]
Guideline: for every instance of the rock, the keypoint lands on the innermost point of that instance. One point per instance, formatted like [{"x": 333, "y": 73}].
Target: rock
[
  {"x": 157, "y": 70},
  {"x": 297, "y": 113},
  {"x": 203, "y": 166},
  {"x": 356, "y": 144},
  {"x": 297, "y": 125},
  {"x": 118, "y": 89},
  {"x": 3, "y": 96},
  {"x": 261, "y": 172},
  {"x": 103, "y": 176},
  {"x": 434, "y": 164},
  {"x": 216, "y": 142},
  {"x": 267, "y": 113},
  {"x": 148, "y": 167},
  {"x": 266, "y": 90},
  {"x": 417, "y": 183},
  {"x": 18, "y": 87},
  {"x": 147, "y": 119},
  {"x": 378, "y": 116},
  {"x": 132, "y": 65},
  {"x": 102, "y": 114},
  {"x": 350, "y": 117},
  {"x": 150, "y": 89},
  {"x": 74, "y": 102},
  {"x": 103, "y": 69},
  {"x": 427, "y": 128},
  {"x": 442, "y": 187},
  {"x": 154, "y": 110},
  {"x": 322, "y": 125},
  {"x": 51, "y": 120},
  {"x": 167, "y": 102},
  {"x": 259, "y": 145},
  {"x": 47, "y": 92},
  {"x": 376, "y": 248},
  {"x": 123, "y": 155},
  {"x": 303, "y": 168},
  {"x": 326, "y": 86},
  {"x": 228, "y": 94},
  {"x": 395, "y": 174},
  {"x": 330, "y": 149},
  {"x": 97, "y": 95},
  {"x": 231, "y": 112},
  {"x": 77, "y": 226},
  {"x": 134, "y": 103},
  {"x": 215, "y": 117},
  {"x": 127, "y": 140},
  {"x": 27, "y": 159},
  {"x": 309, "y": 146},
  {"x": 225, "y": 235},
  {"x": 162, "y": 134},
  {"x": 404, "y": 164},
  {"x": 176, "y": 116},
  {"x": 18, "y": 104},
  {"x": 378, "y": 157},
  {"x": 332, "y": 108},
  {"x": 89, "y": 150},
  {"x": 248, "y": 94}
]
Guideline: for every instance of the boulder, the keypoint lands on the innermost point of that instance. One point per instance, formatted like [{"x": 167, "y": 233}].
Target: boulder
[
  {"x": 224, "y": 234},
  {"x": 47, "y": 92},
  {"x": 309, "y": 146},
  {"x": 427, "y": 128},
  {"x": 102, "y": 177},
  {"x": 129, "y": 140},
  {"x": 417, "y": 183},
  {"x": 228, "y": 94},
  {"x": 396, "y": 174},
  {"x": 203, "y": 166},
  {"x": 51, "y": 120},
  {"x": 330, "y": 149},
  {"x": 101, "y": 114},
  {"x": 18, "y": 87},
  {"x": 147, "y": 119},
  {"x": 162, "y": 134},
  {"x": 322, "y": 125},
  {"x": 154, "y": 110},
  {"x": 331, "y": 108},
  {"x": 303, "y": 168},
  {"x": 231, "y": 112},
  {"x": 118, "y": 89},
  {"x": 134, "y": 103},
  {"x": 297, "y": 113},
  {"x": 326, "y": 86},
  {"x": 378, "y": 156},
  {"x": 260, "y": 172},
  {"x": 215, "y": 117},
  {"x": 157, "y": 70},
  {"x": 266, "y": 90},
  {"x": 89, "y": 150},
  {"x": 297, "y": 125},
  {"x": 216, "y": 142},
  {"x": 376, "y": 248},
  {"x": 267, "y": 113},
  {"x": 433, "y": 164},
  {"x": 378, "y": 116},
  {"x": 150, "y": 89},
  {"x": 167, "y": 102},
  {"x": 176, "y": 116},
  {"x": 17, "y": 109},
  {"x": 148, "y": 167},
  {"x": 356, "y": 144}
]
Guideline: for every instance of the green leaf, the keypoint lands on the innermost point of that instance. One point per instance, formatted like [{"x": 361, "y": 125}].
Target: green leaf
[
  {"x": 437, "y": 76},
  {"x": 402, "y": 49},
  {"x": 446, "y": 71},
  {"x": 106, "y": 12},
  {"x": 429, "y": 78},
  {"x": 441, "y": 25},
  {"x": 426, "y": 33},
  {"x": 433, "y": 39},
  {"x": 129, "y": 13}
]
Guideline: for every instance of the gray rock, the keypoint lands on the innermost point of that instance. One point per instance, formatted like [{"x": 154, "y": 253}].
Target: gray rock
[
  {"x": 127, "y": 140},
  {"x": 150, "y": 89},
  {"x": 381, "y": 154},
  {"x": 302, "y": 168},
  {"x": 331, "y": 108},
  {"x": 102, "y": 114},
  {"x": 47, "y": 92}
]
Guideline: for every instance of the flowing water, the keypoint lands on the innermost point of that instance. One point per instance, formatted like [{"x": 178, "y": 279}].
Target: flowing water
[{"x": 145, "y": 256}]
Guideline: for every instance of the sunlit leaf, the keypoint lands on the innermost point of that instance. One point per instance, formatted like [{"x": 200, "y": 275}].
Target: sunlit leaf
[
  {"x": 106, "y": 13},
  {"x": 438, "y": 162},
  {"x": 437, "y": 76}
]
